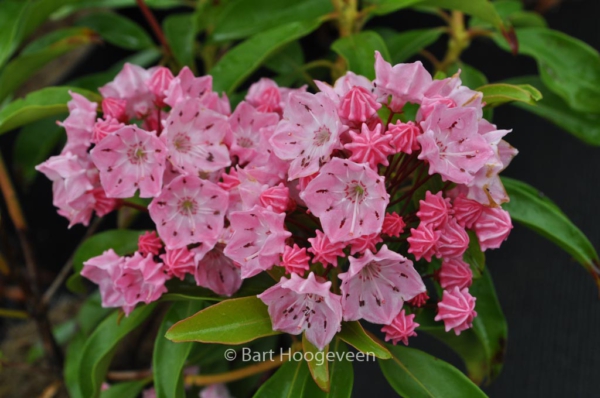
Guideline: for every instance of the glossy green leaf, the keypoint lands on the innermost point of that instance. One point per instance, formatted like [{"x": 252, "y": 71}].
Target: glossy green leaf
[
  {"x": 354, "y": 334},
  {"x": 288, "y": 60},
  {"x": 241, "y": 61},
  {"x": 359, "y": 51},
  {"x": 501, "y": 93},
  {"x": 111, "y": 4},
  {"x": 383, "y": 7},
  {"x": 527, "y": 19},
  {"x": 100, "y": 347},
  {"x": 38, "y": 105},
  {"x": 34, "y": 144},
  {"x": 544, "y": 217},
  {"x": 243, "y": 18},
  {"x": 585, "y": 126},
  {"x": 404, "y": 45},
  {"x": 180, "y": 37},
  {"x": 341, "y": 374},
  {"x": 474, "y": 256},
  {"x": 318, "y": 368},
  {"x": 71, "y": 366},
  {"x": 482, "y": 9},
  {"x": 233, "y": 321},
  {"x": 469, "y": 76},
  {"x": 128, "y": 389},
  {"x": 290, "y": 380},
  {"x": 568, "y": 66},
  {"x": 12, "y": 17},
  {"x": 414, "y": 373},
  {"x": 117, "y": 30},
  {"x": 168, "y": 359},
  {"x": 91, "y": 313},
  {"x": 40, "y": 10},
  {"x": 504, "y": 8}
]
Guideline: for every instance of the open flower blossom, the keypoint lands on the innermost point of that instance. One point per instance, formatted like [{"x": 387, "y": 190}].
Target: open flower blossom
[{"x": 314, "y": 186}]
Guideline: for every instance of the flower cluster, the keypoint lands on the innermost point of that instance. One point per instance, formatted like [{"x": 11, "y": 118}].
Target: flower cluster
[{"x": 327, "y": 188}]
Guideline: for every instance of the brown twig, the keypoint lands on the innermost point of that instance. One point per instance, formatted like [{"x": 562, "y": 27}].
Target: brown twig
[
  {"x": 155, "y": 27},
  {"x": 125, "y": 203},
  {"x": 30, "y": 286}
]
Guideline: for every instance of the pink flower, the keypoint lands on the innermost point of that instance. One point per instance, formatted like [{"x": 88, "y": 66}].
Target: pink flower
[
  {"x": 277, "y": 197},
  {"x": 492, "y": 227},
  {"x": 466, "y": 211},
  {"x": 376, "y": 286},
  {"x": 264, "y": 95},
  {"x": 141, "y": 280},
  {"x": 149, "y": 243},
  {"x": 455, "y": 273},
  {"x": 308, "y": 133},
  {"x": 404, "y": 136},
  {"x": 246, "y": 124},
  {"x": 159, "y": 83},
  {"x": 130, "y": 85},
  {"x": 370, "y": 146},
  {"x": 450, "y": 93},
  {"x": 195, "y": 138},
  {"x": 258, "y": 239},
  {"x": 401, "y": 328},
  {"x": 218, "y": 272},
  {"x": 115, "y": 108},
  {"x": 102, "y": 270},
  {"x": 453, "y": 240},
  {"x": 457, "y": 310},
  {"x": 295, "y": 260},
  {"x": 419, "y": 300},
  {"x": 365, "y": 242},
  {"x": 393, "y": 225},
  {"x": 403, "y": 82},
  {"x": 325, "y": 251},
  {"x": 349, "y": 199},
  {"x": 451, "y": 144},
  {"x": 434, "y": 210},
  {"x": 104, "y": 127},
  {"x": 80, "y": 123},
  {"x": 128, "y": 159},
  {"x": 179, "y": 262},
  {"x": 299, "y": 305},
  {"x": 422, "y": 241},
  {"x": 189, "y": 210}
]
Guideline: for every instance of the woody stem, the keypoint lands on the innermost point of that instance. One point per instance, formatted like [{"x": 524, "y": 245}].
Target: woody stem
[{"x": 155, "y": 27}]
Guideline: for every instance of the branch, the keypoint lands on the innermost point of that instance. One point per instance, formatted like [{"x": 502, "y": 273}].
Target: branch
[{"x": 155, "y": 27}]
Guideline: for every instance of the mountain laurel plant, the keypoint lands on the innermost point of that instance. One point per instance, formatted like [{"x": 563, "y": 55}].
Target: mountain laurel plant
[{"x": 265, "y": 202}]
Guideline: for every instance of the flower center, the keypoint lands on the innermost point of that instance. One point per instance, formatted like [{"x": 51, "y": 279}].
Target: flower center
[
  {"x": 322, "y": 136},
  {"x": 187, "y": 206},
  {"x": 137, "y": 154},
  {"x": 356, "y": 191},
  {"x": 245, "y": 142},
  {"x": 182, "y": 143}
]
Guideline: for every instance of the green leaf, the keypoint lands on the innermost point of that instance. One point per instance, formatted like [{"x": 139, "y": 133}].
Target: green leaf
[
  {"x": 544, "y": 217},
  {"x": 354, "y": 334},
  {"x": 71, "y": 366},
  {"x": 100, "y": 347},
  {"x": 288, "y": 60},
  {"x": 91, "y": 313},
  {"x": 122, "y": 241},
  {"x": 38, "y": 105},
  {"x": 404, "y": 45},
  {"x": 474, "y": 256},
  {"x": 233, "y": 321},
  {"x": 180, "y": 37},
  {"x": 414, "y": 373},
  {"x": 112, "y": 4},
  {"x": 469, "y": 76},
  {"x": 40, "y": 10},
  {"x": 383, "y": 7},
  {"x": 568, "y": 67},
  {"x": 117, "y": 30},
  {"x": 585, "y": 126},
  {"x": 243, "y": 18},
  {"x": 12, "y": 17},
  {"x": 482, "y": 9},
  {"x": 527, "y": 19},
  {"x": 128, "y": 389},
  {"x": 34, "y": 144},
  {"x": 359, "y": 51},
  {"x": 290, "y": 380},
  {"x": 502, "y": 93},
  {"x": 169, "y": 358},
  {"x": 241, "y": 61},
  {"x": 341, "y": 374},
  {"x": 504, "y": 8},
  {"x": 317, "y": 365}
]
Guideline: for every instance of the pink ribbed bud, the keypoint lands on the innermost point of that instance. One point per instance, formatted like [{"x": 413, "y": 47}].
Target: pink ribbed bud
[
  {"x": 358, "y": 105},
  {"x": 455, "y": 273},
  {"x": 422, "y": 241},
  {"x": 149, "y": 243},
  {"x": 115, "y": 108},
  {"x": 492, "y": 227},
  {"x": 457, "y": 310},
  {"x": 159, "y": 83},
  {"x": 393, "y": 225},
  {"x": 179, "y": 262},
  {"x": 453, "y": 241},
  {"x": 419, "y": 300},
  {"x": 104, "y": 127},
  {"x": 404, "y": 136},
  {"x": 466, "y": 211},
  {"x": 434, "y": 210},
  {"x": 295, "y": 260},
  {"x": 102, "y": 204},
  {"x": 401, "y": 328},
  {"x": 277, "y": 197}
]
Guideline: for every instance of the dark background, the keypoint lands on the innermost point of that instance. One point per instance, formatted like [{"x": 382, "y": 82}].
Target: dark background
[{"x": 550, "y": 302}]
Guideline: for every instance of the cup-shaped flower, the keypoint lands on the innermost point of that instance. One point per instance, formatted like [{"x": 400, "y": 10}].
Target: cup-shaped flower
[
  {"x": 349, "y": 199},
  {"x": 218, "y": 272},
  {"x": 377, "y": 285},
  {"x": 299, "y": 305}
]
